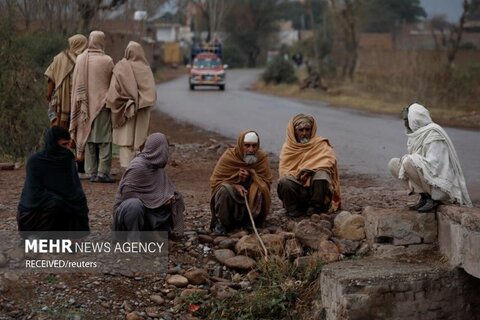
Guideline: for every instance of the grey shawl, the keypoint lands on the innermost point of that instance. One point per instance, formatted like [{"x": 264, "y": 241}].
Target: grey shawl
[{"x": 147, "y": 180}]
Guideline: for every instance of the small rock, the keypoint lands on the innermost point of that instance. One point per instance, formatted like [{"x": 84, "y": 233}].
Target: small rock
[
  {"x": 152, "y": 312},
  {"x": 222, "y": 292},
  {"x": 157, "y": 299},
  {"x": 134, "y": 316},
  {"x": 203, "y": 238},
  {"x": 239, "y": 234},
  {"x": 127, "y": 306},
  {"x": 227, "y": 243},
  {"x": 196, "y": 276},
  {"x": 252, "y": 275},
  {"x": 240, "y": 262},
  {"x": 178, "y": 281},
  {"x": 193, "y": 291},
  {"x": 219, "y": 239},
  {"x": 237, "y": 277},
  {"x": 12, "y": 277},
  {"x": 223, "y": 254}
]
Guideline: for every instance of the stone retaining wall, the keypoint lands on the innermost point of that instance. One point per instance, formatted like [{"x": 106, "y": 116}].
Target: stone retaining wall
[{"x": 379, "y": 289}]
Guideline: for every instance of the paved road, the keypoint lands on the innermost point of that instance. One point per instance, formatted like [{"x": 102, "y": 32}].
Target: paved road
[{"x": 363, "y": 142}]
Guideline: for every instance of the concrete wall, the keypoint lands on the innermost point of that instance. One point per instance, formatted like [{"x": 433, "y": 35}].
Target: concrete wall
[
  {"x": 380, "y": 289},
  {"x": 459, "y": 237}
]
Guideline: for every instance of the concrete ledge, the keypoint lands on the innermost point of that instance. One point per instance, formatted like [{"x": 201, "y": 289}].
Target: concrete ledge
[
  {"x": 459, "y": 237},
  {"x": 399, "y": 226},
  {"x": 379, "y": 289}
]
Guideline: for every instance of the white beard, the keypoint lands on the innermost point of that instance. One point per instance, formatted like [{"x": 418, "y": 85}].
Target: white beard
[
  {"x": 250, "y": 158},
  {"x": 304, "y": 140}
]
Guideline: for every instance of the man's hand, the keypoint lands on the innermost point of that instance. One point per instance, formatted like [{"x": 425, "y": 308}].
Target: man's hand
[
  {"x": 243, "y": 175},
  {"x": 240, "y": 189},
  {"x": 305, "y": 177}
]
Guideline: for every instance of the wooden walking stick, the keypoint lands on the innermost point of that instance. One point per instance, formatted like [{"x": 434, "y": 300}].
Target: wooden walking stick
[{"x": 265, "y": 253}]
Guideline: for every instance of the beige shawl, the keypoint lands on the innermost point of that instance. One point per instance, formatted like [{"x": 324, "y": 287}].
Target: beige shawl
[
  {"x": 226, "y": 171},
  {"x": 83, "y": 114},
  {"x": 317, "y": 154},
  {"x": 59, "y": 72},
  {"x": 132, "y": 86}
]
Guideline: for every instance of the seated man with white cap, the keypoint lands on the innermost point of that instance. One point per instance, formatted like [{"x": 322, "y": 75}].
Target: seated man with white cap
[{"x": 242, "y": 173}]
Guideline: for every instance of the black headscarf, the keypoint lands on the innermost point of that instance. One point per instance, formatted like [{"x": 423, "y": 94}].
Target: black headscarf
[{"x": 52, "y": 180}]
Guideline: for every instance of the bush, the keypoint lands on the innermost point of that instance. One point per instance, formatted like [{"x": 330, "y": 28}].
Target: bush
[
  {"x": 279, "y": 71},
  {"x": 40, "y": 47},
  {"x": 23, "y": 117}
]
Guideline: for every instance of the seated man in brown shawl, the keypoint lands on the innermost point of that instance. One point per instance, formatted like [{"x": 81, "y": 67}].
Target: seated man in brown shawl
[
  {"x": 308, "y": 170},
  {"x": 146, "y": 199},
  {"x": 242, "y": 171}
]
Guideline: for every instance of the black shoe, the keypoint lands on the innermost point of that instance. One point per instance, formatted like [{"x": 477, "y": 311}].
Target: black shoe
[
  {"x": 429, "y": 206},
  {"x": 421, "y": 202},
  {"x": 105, "y": 179},
  {"x": 219, "y": 230},
  {"x": 93, "y": 178},
  {"x": 294, "y": 213},
  {"x": 311, "y": 211}
]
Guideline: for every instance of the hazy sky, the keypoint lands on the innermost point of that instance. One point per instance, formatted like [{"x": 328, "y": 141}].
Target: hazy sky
[{"x": 451, "y": 8}]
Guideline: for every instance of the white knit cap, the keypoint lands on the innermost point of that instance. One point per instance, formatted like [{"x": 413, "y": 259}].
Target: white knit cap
[{"x": 251, "y": 137}]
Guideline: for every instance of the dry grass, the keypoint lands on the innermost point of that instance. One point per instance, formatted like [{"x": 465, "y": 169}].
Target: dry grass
[{"x": 350, "y": 96}]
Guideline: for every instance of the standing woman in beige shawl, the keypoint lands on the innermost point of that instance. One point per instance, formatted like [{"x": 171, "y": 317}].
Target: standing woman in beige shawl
[
  {"x": 131, "y": 97},
  {"x": 59, "y": 74}
]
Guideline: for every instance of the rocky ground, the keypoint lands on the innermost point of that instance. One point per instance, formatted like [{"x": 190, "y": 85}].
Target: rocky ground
[{"x": 194, "y": 269}]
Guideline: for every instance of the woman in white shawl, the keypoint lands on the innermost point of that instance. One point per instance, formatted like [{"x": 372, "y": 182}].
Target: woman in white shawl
[{"x": 431, "y": 166}]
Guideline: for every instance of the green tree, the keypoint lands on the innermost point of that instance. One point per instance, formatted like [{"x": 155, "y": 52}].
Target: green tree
[
  {"x": 22, "y": 119},
  {"x": 249, "y": 24},
  {"x": 389, "y": 15}
]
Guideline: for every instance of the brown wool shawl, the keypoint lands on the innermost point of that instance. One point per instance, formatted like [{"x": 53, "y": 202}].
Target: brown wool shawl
[
  {"x": 132, "y": 86},
  {"x": 317, "y": 154},
  {"x": 61, "y": 68},
  {"x": 82, "y": 114},
  {"x": 226, "y": 171}
]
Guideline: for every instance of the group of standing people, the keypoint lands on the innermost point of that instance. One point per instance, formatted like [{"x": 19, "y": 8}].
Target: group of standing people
[
  {"x": 100, "y": 103},
  {"x": 92, "y": 103},
  {"x": 95, "y": 103}
]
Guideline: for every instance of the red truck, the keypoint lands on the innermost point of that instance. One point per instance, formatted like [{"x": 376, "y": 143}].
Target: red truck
[{"x": 206, "y": 68}]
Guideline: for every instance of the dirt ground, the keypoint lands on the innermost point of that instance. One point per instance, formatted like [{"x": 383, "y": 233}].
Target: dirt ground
[{"x": 104, "y": 296}]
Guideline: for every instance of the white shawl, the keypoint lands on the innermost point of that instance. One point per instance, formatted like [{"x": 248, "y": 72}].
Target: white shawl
[{"x": 432, "y": 151}]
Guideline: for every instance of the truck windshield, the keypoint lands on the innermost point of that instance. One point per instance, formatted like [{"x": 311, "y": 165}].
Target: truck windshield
[{"x": 206, "y": 64}]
